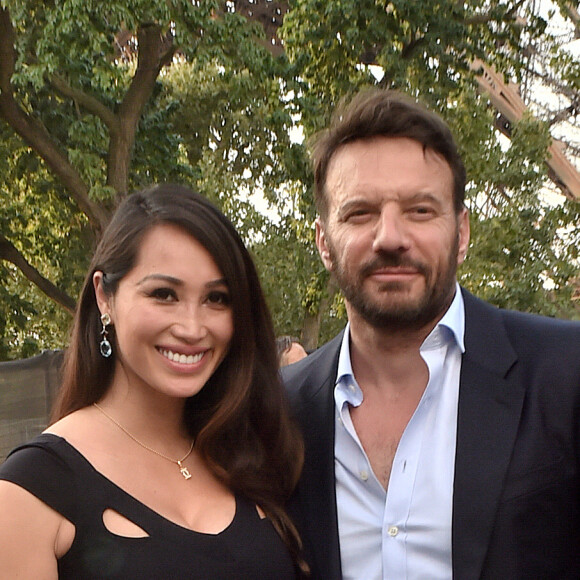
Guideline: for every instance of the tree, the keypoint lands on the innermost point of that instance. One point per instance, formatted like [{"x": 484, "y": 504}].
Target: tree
[
  {"x": 521, "y": 243},
  {"x": 99, "y": 99},
  {"x": 89, "y": 116}
]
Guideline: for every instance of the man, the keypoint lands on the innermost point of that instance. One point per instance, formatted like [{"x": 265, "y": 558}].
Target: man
[{"x": 442, "y": 434}]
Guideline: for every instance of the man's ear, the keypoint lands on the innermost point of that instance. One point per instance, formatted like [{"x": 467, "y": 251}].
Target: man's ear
[
  {"x": 463, "y": 232},
  {"x": 322, "y": 245}
]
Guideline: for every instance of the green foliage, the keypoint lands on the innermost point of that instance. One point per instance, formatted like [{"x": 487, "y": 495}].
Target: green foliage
[
  {"x": 517, "y": 250},
  {"x": 77, "y": 43},
  {"x": 522, "y": 254},
  {"x": 222, "y": 118},
  {"x": 52, "y": 235}
]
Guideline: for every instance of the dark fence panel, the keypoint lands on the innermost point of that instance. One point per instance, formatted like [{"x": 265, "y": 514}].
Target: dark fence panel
[{"x": 27, "y": 390}]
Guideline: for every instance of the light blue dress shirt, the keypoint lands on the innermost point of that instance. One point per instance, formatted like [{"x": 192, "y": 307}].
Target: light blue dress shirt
[{"x": 404, "y": 533}]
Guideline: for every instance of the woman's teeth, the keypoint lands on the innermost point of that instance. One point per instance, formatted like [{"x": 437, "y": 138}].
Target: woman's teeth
[{"x": 182, "y": 358}]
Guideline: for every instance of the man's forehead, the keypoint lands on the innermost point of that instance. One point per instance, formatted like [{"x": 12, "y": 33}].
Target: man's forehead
[
  {"x": 373, "y": 145},
  {"x": 370, "y": 168}
]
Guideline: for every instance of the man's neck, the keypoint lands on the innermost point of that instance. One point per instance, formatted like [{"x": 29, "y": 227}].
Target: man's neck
[{"x": 387, "y": 357}]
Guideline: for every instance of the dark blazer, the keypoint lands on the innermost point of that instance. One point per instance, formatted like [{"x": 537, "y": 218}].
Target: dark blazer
[{"x": 516, "y": 498}]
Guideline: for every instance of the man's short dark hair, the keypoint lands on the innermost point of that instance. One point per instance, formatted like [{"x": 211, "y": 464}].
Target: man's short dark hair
[{"x": 384, "y": 113}]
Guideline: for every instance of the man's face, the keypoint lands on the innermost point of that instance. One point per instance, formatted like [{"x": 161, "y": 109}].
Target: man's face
[{"x": 391, "y": 237}]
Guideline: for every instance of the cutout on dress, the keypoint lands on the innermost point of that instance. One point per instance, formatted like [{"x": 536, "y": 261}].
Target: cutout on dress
[{"x": 120, "y": 525}]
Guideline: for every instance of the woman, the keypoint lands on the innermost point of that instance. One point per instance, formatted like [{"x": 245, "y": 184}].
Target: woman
[{"x": 171, "y": 453}]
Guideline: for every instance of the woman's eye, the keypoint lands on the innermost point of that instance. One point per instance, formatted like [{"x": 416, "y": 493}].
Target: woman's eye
[
  {"x": 164, "y": 294},
  {"x": 219, "y": 298}
]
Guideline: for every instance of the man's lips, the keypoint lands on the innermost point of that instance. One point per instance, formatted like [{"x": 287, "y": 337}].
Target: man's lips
[
  {"x": 390, "y": 269},
  {"x": 390, "y": 274},
  {"x": 397, "y": 270}
]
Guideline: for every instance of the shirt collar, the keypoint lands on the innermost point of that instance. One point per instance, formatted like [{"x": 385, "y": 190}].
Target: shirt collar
[{"x": 452, "y": 322}]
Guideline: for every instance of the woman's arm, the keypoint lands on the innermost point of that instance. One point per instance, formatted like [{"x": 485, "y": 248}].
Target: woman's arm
[{"x": 32, "y": 536}]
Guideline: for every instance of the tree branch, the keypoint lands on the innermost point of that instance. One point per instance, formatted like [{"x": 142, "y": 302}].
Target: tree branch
[
  {"x": 87, "y": 102},
  {"x": 155, "y": 51},
  {"x": 9, "y": 253},
  {"x": 489, "y": 16},
  {"x": 35, "y": 135},
  {"x": 563, "y": 114},
  {"x": 270, "y": 15},
  {"x": 410, "y": 48},
  {"x": 573, "y": 15}
]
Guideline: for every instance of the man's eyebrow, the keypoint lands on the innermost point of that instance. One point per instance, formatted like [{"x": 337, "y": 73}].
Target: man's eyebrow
[{"x": 425, "y": 196}]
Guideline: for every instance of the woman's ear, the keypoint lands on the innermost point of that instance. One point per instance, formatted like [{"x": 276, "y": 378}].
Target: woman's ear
[{"x": 102, "y": 299}]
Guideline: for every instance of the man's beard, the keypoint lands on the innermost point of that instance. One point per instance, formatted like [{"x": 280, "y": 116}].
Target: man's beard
[{"x": 402, "y": 312}]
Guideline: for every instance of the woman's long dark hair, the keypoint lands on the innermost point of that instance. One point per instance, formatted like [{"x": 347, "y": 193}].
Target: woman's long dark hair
[{"x": 239, "y": 419}]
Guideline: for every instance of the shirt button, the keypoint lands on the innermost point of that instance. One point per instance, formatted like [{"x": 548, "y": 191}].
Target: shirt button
[
  {"x": 364, "y": 475},
  {"x": 352, "y": 388},
  {"x": 393, "y": 531}
]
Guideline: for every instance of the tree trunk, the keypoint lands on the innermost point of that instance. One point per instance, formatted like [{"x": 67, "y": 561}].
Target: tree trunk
[{"x": 311, "y": 324}]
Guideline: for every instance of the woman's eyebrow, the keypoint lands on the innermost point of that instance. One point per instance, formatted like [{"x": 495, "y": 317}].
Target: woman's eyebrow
[
  {"x": 218, "y": 282},
  {"x": 162, "y": 277},
  {"x": 178, "y": 282}
]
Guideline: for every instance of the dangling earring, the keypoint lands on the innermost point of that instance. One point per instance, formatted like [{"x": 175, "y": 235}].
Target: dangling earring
[{"x": 105, "y": 346}]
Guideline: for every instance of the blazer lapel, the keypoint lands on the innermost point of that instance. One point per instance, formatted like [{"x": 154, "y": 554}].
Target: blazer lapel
[
  {"x": 315, "y": 495},
  {"x": 490, "y": 405}
]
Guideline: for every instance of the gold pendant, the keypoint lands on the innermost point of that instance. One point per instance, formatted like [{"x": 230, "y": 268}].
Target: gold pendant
[{"x": 184, "y": 470}]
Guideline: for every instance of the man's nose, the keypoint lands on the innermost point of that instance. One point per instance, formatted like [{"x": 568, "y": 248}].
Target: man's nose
[{"x": 391, "y": 233}]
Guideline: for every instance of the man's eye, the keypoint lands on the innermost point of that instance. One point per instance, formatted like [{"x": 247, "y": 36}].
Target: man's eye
[
  {"x": 422, "y": 210},
  {"x": 164, "y": 294},
  {"x": 357, "y": 215}
]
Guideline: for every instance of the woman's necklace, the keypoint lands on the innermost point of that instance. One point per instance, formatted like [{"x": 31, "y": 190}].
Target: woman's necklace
[{"x": 182, "y": 468}]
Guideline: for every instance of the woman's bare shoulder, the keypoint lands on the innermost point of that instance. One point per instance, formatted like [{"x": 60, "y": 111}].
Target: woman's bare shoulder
[{"x": 25, "y": 522}]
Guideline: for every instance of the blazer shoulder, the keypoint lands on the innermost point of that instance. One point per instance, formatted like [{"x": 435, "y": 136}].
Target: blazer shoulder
[
  {"x": 531, "y": 336},
  {"x": 518, "y": 319},
  {"x": 541, "y": 339},
  {"x": 309, "y": 374},
  {"x": 547, "y": 326}
]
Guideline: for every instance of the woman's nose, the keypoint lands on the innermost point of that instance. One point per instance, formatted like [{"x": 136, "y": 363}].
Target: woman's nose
[{"x": 190, "y": 324}]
